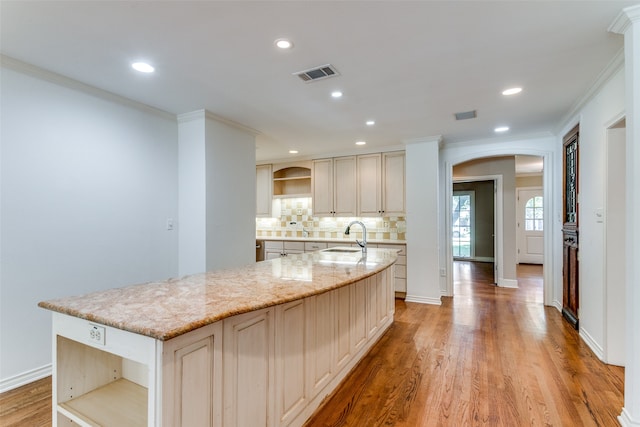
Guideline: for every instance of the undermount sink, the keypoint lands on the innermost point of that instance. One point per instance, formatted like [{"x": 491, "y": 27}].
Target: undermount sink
[{"x": 342, "y": 250}]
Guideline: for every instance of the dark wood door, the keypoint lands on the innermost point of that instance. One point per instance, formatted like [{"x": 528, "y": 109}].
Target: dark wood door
[{"x": 570, "y": 230}]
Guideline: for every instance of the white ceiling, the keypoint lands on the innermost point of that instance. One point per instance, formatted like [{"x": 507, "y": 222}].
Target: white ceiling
[{"x": 408, "y": 65}]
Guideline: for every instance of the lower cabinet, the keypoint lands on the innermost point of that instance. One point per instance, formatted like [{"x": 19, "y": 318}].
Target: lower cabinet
[
  {"x": 192, "y": 378},
  {"x": 269, "y": 367},
  {"x": 248, "y": 359}
]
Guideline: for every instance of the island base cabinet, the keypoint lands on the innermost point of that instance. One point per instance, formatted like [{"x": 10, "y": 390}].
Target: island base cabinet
[
  {"x": 249, "y": 369},
  {"x": 102, "y": 376},
  {"x": 271, "y": 367},
  {"x": 192, "y": 378}
]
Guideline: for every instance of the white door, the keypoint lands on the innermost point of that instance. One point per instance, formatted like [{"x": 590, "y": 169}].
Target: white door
[{"x": 530, "y": 229}]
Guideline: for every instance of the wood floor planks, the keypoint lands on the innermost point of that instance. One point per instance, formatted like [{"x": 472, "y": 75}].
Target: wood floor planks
[{"x": 487, "y": 357}]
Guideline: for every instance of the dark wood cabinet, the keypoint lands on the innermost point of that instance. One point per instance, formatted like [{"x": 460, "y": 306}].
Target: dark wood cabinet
[{"x": 570, "y": 230}]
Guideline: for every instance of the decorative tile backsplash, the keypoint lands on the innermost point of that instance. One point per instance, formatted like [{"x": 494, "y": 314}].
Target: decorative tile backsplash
[{"x": 293, "y": 217}]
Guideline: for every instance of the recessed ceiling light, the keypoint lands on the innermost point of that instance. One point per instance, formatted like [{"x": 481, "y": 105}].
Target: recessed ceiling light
[
  {"x": 284, "y": 43},
  {"x": 143, "y": 67},
  {"x": 336, "y": 94},
  {"x": 371, "y": 122},
  {"x": 512, "y": 91},
  {"x": 293, "y": 151},
  {"x": 361, "y": 142},
  {"x": 501, "y": 129}
]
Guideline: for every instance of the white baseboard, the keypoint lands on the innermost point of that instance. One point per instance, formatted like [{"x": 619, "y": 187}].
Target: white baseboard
[
  {"x": 558, "y": 305},
  {"x": 27, "y": 377},
  {"x": 625, "y": 419},
  {"x": 593, "y": 345},
  {"x": 423, "y": 300},
  {"x": 508, "y": 283}
]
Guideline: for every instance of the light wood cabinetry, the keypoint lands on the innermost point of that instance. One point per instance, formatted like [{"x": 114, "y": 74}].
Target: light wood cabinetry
[
  {"x": 192, "y": 378},
  {"x": 291, "y": 181},
  {"x": 400, "y": 268},
  {"x": 248, "y": 360},
  {"x": 102, "y": 375},
  {"x": 334, "y": 186},
  {"x": 381, "y": 184},
  {"x": 264, "y": 190},
  {"x": 370, "y": 185},
  {"x": 290, "y": 360},
  {"x": 277, "y": 248},
  {"x": 268, "y": 367},
  {"x": 393, "y": 183},
  {"x": 320, "y": 334},
  {"x": 314, "y": 246}
]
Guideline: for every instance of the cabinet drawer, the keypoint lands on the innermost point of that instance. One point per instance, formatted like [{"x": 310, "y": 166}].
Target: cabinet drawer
[
  {"x": 402, "y": 249},
  {"x": 401, "y": 285},
  {"x": 314, "y": 246},
  {"x": 401, "y": 271},
  {"x": 402, "y": 260},
  {"x": 273, "y": 245},
  {"x": 294, "y": 246}
]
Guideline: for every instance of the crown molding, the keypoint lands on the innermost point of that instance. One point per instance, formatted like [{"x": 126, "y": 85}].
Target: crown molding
[
  {"x": 68, "y": 82},
  {"x": 615, "y": 65},
  {"x": 625, "y": 19},
  {"x": 208, "y": 115},
  {"x": 423, "y": 139}
]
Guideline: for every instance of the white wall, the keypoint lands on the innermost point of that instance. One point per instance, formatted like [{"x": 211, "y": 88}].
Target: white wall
[
  {"x": 422, "y": 221},
  {"x": 231, "y": 189},
  {"x": 216, "y": 176},
  {"x": 87, "y": 186},
  {"x": 594, "y": 118}
]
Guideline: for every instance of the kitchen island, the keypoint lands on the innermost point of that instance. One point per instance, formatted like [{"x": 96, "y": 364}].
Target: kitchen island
[{"x": 256, "y": 346}]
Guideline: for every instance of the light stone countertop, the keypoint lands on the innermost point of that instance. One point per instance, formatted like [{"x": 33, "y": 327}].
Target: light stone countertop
[{"x": 166, "y": 309}]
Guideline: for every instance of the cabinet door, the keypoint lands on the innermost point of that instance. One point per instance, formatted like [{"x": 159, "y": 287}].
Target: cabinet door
[
  {"x": 290, "y": 354},
  {"x": 192, "y": 378},
  {"x": 345, "y": 187},
  {"x": 369, "y": 185},
  {"x": 248, "y": 369},
  {"x": 393, "y": 189},
  {"x": 322, "y": 187},
  {"x": 320, "y": 336},
  {"x": 264, "y": 190},
  {"x": 343, "y": 313}
]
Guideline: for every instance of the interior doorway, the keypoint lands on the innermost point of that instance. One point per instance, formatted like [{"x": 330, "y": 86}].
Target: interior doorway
[
  {"x": 474, "y": 221},
  {"x": 530, "y": 225}
]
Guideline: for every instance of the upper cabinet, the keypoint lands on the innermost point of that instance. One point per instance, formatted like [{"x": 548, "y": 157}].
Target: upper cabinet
[
  {"x": 334, "y": 186},
  {"x": 393, "y": 183},
  {"x": 264, "y": 190},
  {"x": 381, "y": 184},
  {"x": 292, "y": 180}
]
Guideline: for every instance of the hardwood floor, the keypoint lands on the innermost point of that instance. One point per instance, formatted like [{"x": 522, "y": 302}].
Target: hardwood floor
[
  {"x": 487, "y": 357},
  {"x": 27, "y": 406}
]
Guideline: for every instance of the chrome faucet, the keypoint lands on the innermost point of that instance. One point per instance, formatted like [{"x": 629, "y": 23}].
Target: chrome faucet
[{"x": 362, "y": 244}]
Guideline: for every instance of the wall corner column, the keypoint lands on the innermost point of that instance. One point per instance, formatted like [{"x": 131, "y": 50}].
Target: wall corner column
[
  {"x": 422, "y": 192},
  {"x": 628, "y": 24},
  {"x": 216, "y": 173}
]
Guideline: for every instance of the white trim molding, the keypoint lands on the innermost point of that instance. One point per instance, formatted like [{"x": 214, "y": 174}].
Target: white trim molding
[
  {"x": 507, "y": 283},
  {"x": 423, "y": 300},
  {"x": 25, "y": 378},
  {"x": 593, "y": 345}
]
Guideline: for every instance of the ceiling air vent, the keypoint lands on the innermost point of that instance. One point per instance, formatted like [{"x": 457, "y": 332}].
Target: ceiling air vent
[
  {"x": 317, "y": 73},
  {"x": 466, "y": 115}
]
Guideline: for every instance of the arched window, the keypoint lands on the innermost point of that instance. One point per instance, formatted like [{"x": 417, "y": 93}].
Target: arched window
[{"x": 533, "y": 214}]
